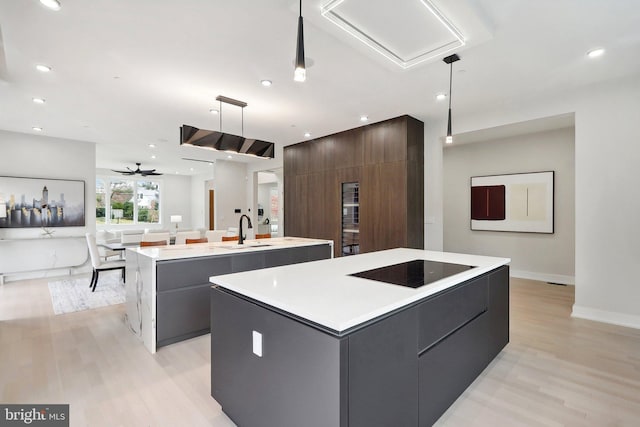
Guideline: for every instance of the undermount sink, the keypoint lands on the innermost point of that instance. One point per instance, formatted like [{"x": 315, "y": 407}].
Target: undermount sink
[{"x": 246, "y": 246}]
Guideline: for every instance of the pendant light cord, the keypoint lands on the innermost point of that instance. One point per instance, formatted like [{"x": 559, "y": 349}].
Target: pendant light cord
[
  {"x": 300, "y": 8},
  {"x": 450, "y": 80}
]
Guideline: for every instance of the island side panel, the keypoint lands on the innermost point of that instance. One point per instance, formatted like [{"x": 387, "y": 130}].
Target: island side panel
[
  {"x": 140, "y": 298},
  {"x": 297, "y": 380},
  {"x": 499, "y": 311}
]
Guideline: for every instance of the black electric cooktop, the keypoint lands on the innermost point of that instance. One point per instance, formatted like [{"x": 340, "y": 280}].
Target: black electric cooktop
[{"x": 413, "y": 274}]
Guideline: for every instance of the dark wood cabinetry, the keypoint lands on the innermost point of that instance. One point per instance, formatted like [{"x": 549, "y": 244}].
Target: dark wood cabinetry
[{"x": 386, "y": 159}]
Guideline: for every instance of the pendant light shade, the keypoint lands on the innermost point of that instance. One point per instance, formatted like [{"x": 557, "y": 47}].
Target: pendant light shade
[
  {"x": 450, "y": 60},
  {"x": 300, "y": 73}
]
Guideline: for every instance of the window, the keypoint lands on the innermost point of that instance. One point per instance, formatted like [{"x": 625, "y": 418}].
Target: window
[
  {"x": 101, "y": 197},
  {"x": 148, "y": 202},
  {"x": 127, "y": 201}
]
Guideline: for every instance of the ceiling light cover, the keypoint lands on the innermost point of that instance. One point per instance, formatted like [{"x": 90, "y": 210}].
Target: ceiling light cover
[
  {"x": 441, "y": 97},
  {"x": 213, "y": 111},
  {"x": 39, "y": 100},
  {"x": 330, "y": 11},
  {"x": 37, "y": 128},
  {"x": 220, "y": 141},
  {"x": 51, "y": 4},
  {"x": 594, "y": 53},
  {"x": 266, "y": 83},
  {"x": 364, "y": 118},
  {"x": 43, "y": 68}
]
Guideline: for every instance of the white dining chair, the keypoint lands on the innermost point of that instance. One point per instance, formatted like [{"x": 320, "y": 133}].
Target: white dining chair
[
  {"x": 182, "y": 236},
  {"x": 155, "y": 237},
  {"x": 97, "y": 263}
]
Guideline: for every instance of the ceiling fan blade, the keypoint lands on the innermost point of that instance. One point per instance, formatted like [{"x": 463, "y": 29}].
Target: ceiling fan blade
[
  {"x": 129, "y": 172},
  {"x": 147, "y": 173}
]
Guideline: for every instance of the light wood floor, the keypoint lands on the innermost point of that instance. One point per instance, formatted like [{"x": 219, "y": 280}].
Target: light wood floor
[{"x": 555, "y": 371}]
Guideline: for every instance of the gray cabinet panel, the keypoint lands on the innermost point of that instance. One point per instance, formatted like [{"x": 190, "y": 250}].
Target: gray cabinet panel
[
  {"x": 318, "y": 252},
  {"x": 498, "y": 311},
  {"x": 184, "y": 313},
  {"x": 277, "y": 258},
  {"x": 189, "y": 272},
  {"x": 448, "y": 368},
  {"x": 445, "y": 313},
  {"x": 295, "y": 383},
  {"x": 383, "y": 362},
  {"x": 247, "y": 261}
]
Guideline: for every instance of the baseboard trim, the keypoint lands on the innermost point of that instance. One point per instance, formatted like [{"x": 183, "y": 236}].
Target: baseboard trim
[
  {"x": 543, "y": 277},
  {"x": 614, "y": 318}
]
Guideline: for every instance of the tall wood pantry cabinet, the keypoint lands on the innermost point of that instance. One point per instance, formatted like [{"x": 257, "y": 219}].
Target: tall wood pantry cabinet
[{"x": 362, "y": 188}]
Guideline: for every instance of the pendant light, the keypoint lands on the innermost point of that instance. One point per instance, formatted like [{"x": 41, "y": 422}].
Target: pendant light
[
  {"x": 450, "y": 60},
  {"x": 300, "y": 73}
]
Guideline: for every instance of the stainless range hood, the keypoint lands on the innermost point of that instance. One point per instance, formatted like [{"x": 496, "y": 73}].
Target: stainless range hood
[{"x": 220, "y": 141}]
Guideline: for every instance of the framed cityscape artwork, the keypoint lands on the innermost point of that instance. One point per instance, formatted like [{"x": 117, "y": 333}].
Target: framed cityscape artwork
[
  {"x": 521, "y": 202},
  {"x": 37, "y": 202}
]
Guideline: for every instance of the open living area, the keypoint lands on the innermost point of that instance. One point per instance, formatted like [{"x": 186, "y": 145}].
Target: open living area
[{"x": 319, "y": 213}]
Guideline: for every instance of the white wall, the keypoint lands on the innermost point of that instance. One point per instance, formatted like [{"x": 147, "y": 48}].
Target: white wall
[
  {"x": 230, "y": 193},
  {"x": 529, "y": 252},
  {"x": 607, "y": 155},
  {"x": 38, "y": 156}
]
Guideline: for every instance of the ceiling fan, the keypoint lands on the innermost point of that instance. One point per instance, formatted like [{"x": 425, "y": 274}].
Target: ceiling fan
[{"x": 138, "y": 171}]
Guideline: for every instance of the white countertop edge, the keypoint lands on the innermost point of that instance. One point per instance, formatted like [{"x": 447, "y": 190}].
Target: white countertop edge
[
  {"x": 171, "y": 252},
  {"x": 406, "y": 296}
]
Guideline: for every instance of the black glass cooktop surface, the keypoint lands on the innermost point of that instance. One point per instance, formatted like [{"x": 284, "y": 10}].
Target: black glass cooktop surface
[{"x": 413, "y": 274}]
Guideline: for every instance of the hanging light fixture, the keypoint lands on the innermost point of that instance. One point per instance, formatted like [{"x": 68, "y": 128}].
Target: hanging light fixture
[
  {"x": 300, "y": 73},
  {"x": 450, "y": 60}
]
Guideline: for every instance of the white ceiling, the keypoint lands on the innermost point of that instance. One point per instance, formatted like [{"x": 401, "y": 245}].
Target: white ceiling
[{"x": 128, "y": 73}]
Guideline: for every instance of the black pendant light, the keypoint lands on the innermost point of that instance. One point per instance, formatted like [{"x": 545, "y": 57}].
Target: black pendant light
[
  {"x": 450, "y": 60},
  {"x": 300, "y": 73}
]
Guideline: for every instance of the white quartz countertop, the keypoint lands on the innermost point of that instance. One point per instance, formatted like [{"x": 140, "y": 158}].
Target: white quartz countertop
[
  {"x": 196, "y": 250},
  {"x": 324, "y": 293}
]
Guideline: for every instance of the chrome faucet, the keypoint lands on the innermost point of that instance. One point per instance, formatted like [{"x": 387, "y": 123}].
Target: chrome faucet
[{"x": 241, "y": 237}]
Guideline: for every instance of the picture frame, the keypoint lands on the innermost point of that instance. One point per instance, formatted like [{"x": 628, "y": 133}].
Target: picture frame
[
  {"x": 519, "y": 202},
  {"x": 41, "y": 202}
]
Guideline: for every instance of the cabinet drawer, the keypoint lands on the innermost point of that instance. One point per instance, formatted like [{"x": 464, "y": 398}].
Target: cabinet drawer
[
  {"x": 182, "y": 314},
  {"x": 448, "y": 368},
  {"x": 445, "y": 313},
  {"x": 190, "y": 272}
]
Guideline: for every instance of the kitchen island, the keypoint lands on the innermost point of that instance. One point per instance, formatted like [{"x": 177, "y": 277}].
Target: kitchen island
[
  {"x": 167, "y": 287},
  {"x": 315, "y": 345}
]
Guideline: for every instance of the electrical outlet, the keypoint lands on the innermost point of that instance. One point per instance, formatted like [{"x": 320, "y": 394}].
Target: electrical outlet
[{"x": 257, "y": 343}]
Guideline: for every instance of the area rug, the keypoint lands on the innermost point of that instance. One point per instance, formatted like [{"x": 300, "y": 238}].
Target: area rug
[{"x": 73, "y": 293}]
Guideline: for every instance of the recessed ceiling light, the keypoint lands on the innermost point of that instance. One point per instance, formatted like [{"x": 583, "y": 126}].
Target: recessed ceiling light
[
  {"x": 213, "y": 111},
  {"x": 229, "y": 157},
  {"x": 441, "y": 97},
  {"x": 594, "y": 53},
  {"x": 153, "y": 156},
  {"x": 177, "y": 173},
  {"x": 51, "y": 4},
  {"x": 191, "y": 169},
  {"x": 38, "y": 100},
  {"x": 37, "y": 128},
  {"x": 43, "y": 68},
  {"x": 364, "y": 118},
  {"x": 266, "y": 83},
  {"x": 152, "y": 145},
  {"x": 307, "y": 134},
  {"x": 210, "y": 164}
]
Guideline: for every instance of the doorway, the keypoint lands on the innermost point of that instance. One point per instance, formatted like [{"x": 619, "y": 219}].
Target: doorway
[{"x": 268, "y": 198}]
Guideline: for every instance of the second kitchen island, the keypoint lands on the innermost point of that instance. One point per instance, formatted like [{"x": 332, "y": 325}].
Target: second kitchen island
[
  {"x": 388, "y": 338},
  {"x": 167, "y": 287}
]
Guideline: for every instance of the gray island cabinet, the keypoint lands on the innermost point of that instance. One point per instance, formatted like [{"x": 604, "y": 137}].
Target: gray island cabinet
[
  {"x": 310, "y": 345},
  {"x": 167, "y": 287}
]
